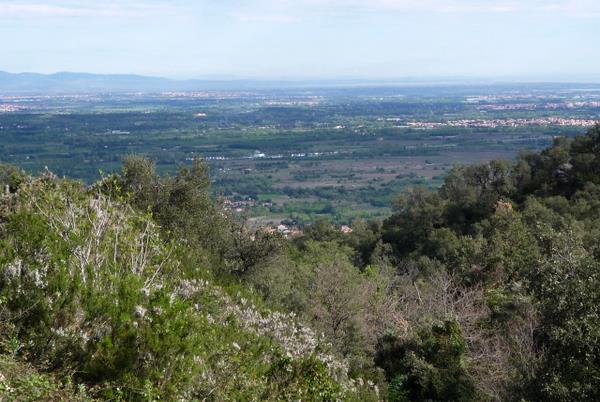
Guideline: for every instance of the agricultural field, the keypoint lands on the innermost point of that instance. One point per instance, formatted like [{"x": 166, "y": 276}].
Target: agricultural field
[{"x": 294, "y": 155}]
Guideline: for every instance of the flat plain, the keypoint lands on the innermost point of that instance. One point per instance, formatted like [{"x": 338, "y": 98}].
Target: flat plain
[{"x": 297, "y": 154}]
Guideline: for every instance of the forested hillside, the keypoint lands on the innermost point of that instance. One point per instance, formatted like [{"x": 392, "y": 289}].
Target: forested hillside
[{"x": 141, "y": 287}]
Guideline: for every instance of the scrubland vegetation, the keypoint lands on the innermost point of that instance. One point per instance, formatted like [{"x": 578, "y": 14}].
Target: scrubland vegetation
[{"x": 141, "y": 287}]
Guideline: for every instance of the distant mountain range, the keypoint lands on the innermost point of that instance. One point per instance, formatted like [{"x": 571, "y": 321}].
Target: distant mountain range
[{"x": 68, "y": 82}]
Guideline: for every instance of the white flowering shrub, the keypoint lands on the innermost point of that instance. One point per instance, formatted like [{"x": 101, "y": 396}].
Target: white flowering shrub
[{"x": 91, "y": 289}]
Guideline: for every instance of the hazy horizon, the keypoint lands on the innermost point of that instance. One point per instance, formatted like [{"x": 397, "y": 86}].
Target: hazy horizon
[
  {"x": 530, "y": 78},
  {"x": 303, "y": 39}
]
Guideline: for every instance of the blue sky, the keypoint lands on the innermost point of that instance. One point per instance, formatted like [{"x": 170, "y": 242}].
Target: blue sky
[{"x": 303, "y": 38}]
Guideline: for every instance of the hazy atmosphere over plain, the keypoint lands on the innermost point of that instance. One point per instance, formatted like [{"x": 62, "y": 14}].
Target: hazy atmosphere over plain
[{"x": 303, "y": 38}]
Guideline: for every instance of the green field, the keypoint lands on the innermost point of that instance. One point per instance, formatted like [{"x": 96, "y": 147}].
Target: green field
[{"x": 341, "y": 153}]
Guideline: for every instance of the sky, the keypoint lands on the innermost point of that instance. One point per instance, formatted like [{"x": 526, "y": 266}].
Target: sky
[{"x": 304, "y": 39}]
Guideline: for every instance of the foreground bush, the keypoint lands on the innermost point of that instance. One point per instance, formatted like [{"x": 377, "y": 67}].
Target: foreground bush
[{"x": 90, "y": 289}]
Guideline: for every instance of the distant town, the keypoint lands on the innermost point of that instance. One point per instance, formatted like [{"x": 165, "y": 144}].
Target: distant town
[{"x": 495, "y": 123}]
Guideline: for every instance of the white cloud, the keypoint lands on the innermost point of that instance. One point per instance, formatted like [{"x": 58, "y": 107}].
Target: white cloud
[
  {"x": 286, "y": 11},
  {"x": 564, "y": 7},
  {"x": 39, "y": 10},
  {"x": 53, "y": 9},
  {"x": 444, "y": 5},
  {"x": 264, "y": 18},
  {"x": 415, "y": 5},
  {"x": 577, "y": 8}
]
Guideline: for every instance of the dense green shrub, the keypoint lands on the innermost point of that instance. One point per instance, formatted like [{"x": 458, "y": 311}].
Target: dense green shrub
[
  {"x": 92, "y": 288},
  {"x": 427, "y": 367}
]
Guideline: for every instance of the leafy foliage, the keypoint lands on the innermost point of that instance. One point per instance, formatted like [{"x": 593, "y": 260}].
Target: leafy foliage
[
  {"x": 140, "y": 287},
  {"x": 427, "y": 367},
  {"x": 93, "y": 287}
]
